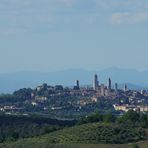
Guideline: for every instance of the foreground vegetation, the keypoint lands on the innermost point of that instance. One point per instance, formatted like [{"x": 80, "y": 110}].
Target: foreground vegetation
[
  {"x": 97, "y": 129},
  {"x": 43, "y": 143},
  {"x": 95, "y": 133},
  {"x": 18, "y": 127}
]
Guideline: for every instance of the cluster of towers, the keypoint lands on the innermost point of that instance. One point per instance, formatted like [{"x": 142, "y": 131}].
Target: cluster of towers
[
  {"x": 96, "y": 84},
  {"x": 103, "y": 89}
]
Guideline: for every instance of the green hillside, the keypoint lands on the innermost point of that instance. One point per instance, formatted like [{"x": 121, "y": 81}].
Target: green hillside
[
  {"x": 46, "y": 145},
  {"x": 97, "y": 133}
]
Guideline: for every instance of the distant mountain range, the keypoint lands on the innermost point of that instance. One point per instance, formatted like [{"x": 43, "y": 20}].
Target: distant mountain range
[{"x": 10, "y": 82}]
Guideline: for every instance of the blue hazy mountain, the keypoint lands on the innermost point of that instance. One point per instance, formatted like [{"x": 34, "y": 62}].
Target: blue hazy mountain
[{"x": 13, "y": 81}]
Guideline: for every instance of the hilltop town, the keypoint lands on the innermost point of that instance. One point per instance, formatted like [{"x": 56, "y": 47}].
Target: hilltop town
[{"x": 69, "y": 102}]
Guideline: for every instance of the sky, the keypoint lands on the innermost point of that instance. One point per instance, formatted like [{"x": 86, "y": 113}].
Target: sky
[{"x": 52, "y": 35}]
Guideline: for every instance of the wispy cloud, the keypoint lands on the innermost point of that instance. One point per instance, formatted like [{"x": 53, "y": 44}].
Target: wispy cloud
[
  {"x": 39, "y": 14},
  {"x": 129, "y": 18},
  {"x": 69, "y": 2}
]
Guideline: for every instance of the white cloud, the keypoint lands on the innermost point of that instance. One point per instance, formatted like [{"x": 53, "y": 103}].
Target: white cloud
[
  {"x": 40, "y": 14},
  {"x": 129, "y": 18},
  {"x": 124, "y": 5},
  {"x": 69, "y": 2}
]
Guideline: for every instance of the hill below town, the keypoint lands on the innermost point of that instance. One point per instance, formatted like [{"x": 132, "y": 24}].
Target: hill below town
[
  {"x": 104, "y": 130},
  {"x": 84, "y": 136}
]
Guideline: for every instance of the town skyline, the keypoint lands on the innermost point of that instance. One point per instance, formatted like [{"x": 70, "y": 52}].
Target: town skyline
[{"x": 10, "y": 82}]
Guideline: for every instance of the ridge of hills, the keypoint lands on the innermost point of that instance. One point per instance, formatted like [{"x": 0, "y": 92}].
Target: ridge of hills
[{"x": 10, "y": 82}]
